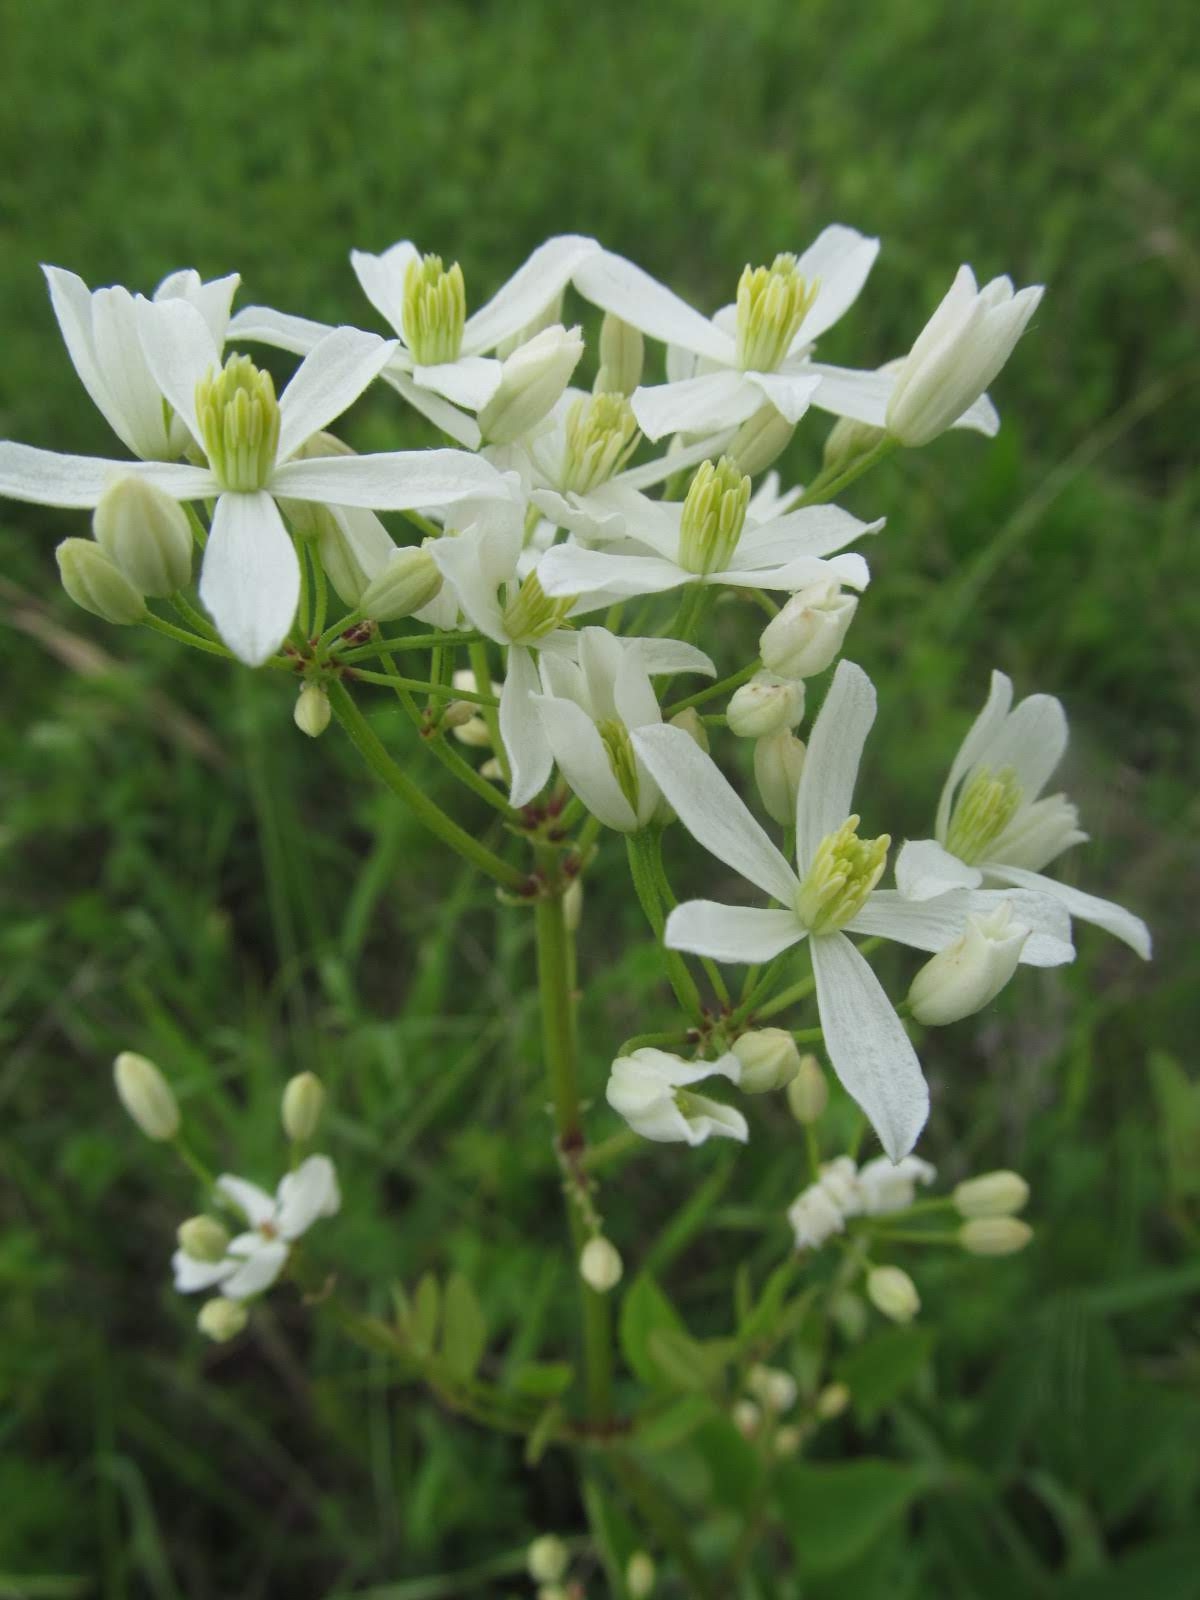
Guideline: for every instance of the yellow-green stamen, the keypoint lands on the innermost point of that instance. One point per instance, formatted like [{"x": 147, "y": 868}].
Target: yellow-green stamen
[
  {"x": 601, "y": 434},
  {"x": 843, "y": 872},
  {"x": 986, "y": 806},
  {"x": 530, "y": 614},
  {"x": 239, "y": 423},
  {"x": 713, "y": 516},
  {"x": 772, "y": 302},
  {"x": 435, "y": 310},
  {"x": 621, "y": 757}
]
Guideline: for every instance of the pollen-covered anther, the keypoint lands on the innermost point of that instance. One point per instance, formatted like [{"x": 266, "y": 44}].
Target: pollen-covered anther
[
  {"x": 986, "y": 806},
  {"x": 531, "y": 614},
  {"x": 435, "y": 310},
  {"x": 772, "y": 302},
  {"x": 239, "y": 423},
  {"x": 714, "y": 514},
  {"x": 601, "y": 435},
  {"x": 843, "y": 872},
  {"x": 621, "y": 757}
]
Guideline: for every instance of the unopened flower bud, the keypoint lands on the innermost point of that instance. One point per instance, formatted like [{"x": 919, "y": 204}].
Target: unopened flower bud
[
  {"x": 309, "y": 519},
  {"x": 303, "y": 1102},
  {"x": 849, "y": 1313},
  {"x": 769, "y": 1059},
  {"x": 457, "y": 714},
  {"x": 95, "y": 582},
  {"x": 146, "y": 1095},
  {"x": 600, "y": 1264},
  {"x": 221, "y": 1319},
  {"x": 778, "y": 763},
  {"x": 146, "y": 534},
  {"x": 765, "y": 705},
  {"x": 994, "y": 1236},
  {"x": 808, "y": 1092},
  {"x": 493, "y": 770},
  {"x": 532, "y": 379},
  {"x": 992, "y": 1194},
  {"x": 891, "y": 1291},
  {"x": 964, "y": 977},
  {"x": 547, "y": 1558},
  {"x": 203, "y": 1239},
  {"x": 774, "y": 1389},
  {"x": 572, "y": 904},
  {"x": 550, "y": 313},
  {"x": 622, "y": 353},
  {"x": 690, "y": 720},
  {"x": 807, "y": 634},
  {"x": 410, "y": 580},
  {"x": 747, "y": 1418},
  {"x": 788, "y": 1441},
  {"x": 640, "y": 1575},
  {"x": 340, "y": 561},
  {"x": 832, "y": 1401},
  {"x": 311, "y": 713},
  {"x": 849, "y": 440},
  {"x": 761, "y": 440},
  {"x": 473, "y": 731}
]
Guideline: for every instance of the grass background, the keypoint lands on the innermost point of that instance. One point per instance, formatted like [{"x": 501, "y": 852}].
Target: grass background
[{"x": 181, "y": 873}]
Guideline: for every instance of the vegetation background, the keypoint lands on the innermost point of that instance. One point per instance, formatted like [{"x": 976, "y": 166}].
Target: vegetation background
[{"x": 182, "y": 873}]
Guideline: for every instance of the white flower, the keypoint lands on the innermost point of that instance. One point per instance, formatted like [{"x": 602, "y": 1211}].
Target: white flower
[
  {"x": 100, "y": 330},
  {"x": 820, "y": 1211},
  {"x": 887, "y": 1186},
  {"x": 831, "y": 893},
  {"x": 992, "y": 824},
  {"x": 441, "y": 363},
  {"x": 722, "y": 371},
  {"x": 968, "y": 974},
  {"x": 255, "y": 1258},
  {"x": 250, "y": 578},
  {"x": 652, "y": 1091},
  {"x": 809, "y": 631}
]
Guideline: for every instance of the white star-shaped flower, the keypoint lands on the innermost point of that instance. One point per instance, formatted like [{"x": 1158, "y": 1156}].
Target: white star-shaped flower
[{"x": 652, "y": 1090}]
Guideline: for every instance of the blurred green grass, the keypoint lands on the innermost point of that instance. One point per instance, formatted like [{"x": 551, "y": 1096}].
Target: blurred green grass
[{"x": 145, "y": 800}]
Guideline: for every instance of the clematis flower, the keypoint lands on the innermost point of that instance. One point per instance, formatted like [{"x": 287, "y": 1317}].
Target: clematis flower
[
  {"x": 254, "y": 1259},
  {"x": 831, "y": 894},
  {"x": 993, "y": 823},
  {"x": 887, "y": 1186},
  {"x": 100, "y": 330},
  {"x": 441, "y": 362},
  {"x": 652, "y": 1090},
  {"x": 755, "y": 352},
  {"x": 250, "y": 577},
  {"x": 821, "y": 1210},
  {"x": 710, "y": 539}
]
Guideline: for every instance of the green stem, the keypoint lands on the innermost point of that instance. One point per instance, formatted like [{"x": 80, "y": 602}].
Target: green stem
[
  {"x": 826, "y": 484},
  {"x": 669, "y": 900},
  {"x": 665, "y": 1521},
  {"x": 436, "y": 691},
  {"x": 182, "y": 636},
  {"x": 363, "y": 737},
  {"x": 640, "y": 848},
  {"x": 320, "y": 592},
  {"x": 491, "y": 715},
  {"x": 436, "y": 744},
  {"x": 191, "y": 616},
  {"x": 408, "y": 641},
  {"x": 726, "y": 686}
]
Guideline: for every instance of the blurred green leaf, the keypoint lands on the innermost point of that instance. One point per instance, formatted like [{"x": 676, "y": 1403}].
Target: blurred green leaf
[
  {"x": 834, "y": 1511},
  {"x": 464, "y": 1332}
]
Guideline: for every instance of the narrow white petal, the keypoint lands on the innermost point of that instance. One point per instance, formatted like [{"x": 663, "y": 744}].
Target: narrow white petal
[
  {"x": 213, "y": 300},
  {"x": 697, "y": 405},
  {"x": 711, "y": 811},
  {"x": 919, "y": 924},
  {"x": 736, "y": 934},
  {"x": 250, "y": 578},
  {"x": 255, "y": 1204},
  {"x": 261, "y": 325},
  {"x": 632, "y": 691},
  {"x": 399, "y": 480},
  {"x": 713, "y": 1119},
  {"x": 570, "y": 569},
  {"x": 981, "y": 416},
  {"x": 924, "y": 869},
  {"x": 979, "y": 736},
  {"x": 532, "y": 287},
  {"x": 1104, "y": 914},
  {"x": 192, "y": 1275},
  {"x": 671, "y": 655},
  {"x": 796, "y": 574},
  {"x": 848, "y": 392},
  {"x": 460, "y": 561},
  {"x": 525, "y": 741},
  {"x": 327, "y": 382},
  {"x": 653, "y": 472},
  {"x": 583, "y": 761},
  {"x": 826, "y": 794},
  {"x": 180, "y": 351},
  {"x": 118, "y": 352},
  {"x": 72, "y": 302},
  {"x": 1032, "y": 742},
  {"x": 258, "y": 1272},
  {"x": 455, "y": 424},
  {"x": 77, "y": 483},
  {"x": 369, "y": 540},
  {"x": 471, "y": 381},
  {"x": 811, "y": 531},
  {"x": 790, "y": 393},
  {"x": 306, "y": 1194},
  {"x": 839, "y": 260},
  {"x": 616, "y": 285},
  {"x": 382, "y": 279},
  {"x": 867, "y": 1045}
]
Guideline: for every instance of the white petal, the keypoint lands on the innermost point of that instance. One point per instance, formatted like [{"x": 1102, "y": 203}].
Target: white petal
[
  {"x": 570, "y": 569},
  {"x": 711, "y": 811},
  {"x": 72, "y": 302},
  {"x": 192, "y": 1275},
  {"x": 77, "y": 483},
  {"x": 118, "y": 352},
  {"x": 632, "y": 692},
  {"x": 327, "y": 382},
  {"x": 792, "y": 575},
  {"x": 372, "y": 545},
  {"x": 981, "y": 416},
  {"x": 826, "y": 794},
  {"x": 848, "y": 392},
  {"x": 261, "y": 325},
  {"x": 933, "y": 924},
  {"x": 180, "y": 351},
  {"x": 867, "y": 1045},
  {"x": 653, "y": 472},
  {"x": 790, "y": 393},
  {"x": 1032, "y": 742},
  {"x": 697, "y": 405},
  {"x": 213, "y": 300},
  {"x": 811, "y": 531},
  {"x": 586, "y": 516},
  {"x": 255, "y": 1204},
  {"x": 979, "y": 736},
  {"x": 738, "y": 934},
  {"x": 1104, "y": 914},
  {"x": 616, "y": 285},
  {"x": 707, "y": 1119},
  {"x": 924, "y": 869},
  {"x": 583, "y": 761},
  {"x": 455, "y": 424},
  {"x": 306, "y": 1194},
  {"x": 471, "y": 381},
  {"x": 382, "y": 279},
  {"x": 250, "y": 577},
  {"x": 460, "y": 561},
  {"x": 258, "y": 1272},
  {"x": 671, "y": 655},
  {"x": 839, "y": 260},
  {"x": 532, "y": 287},
  {"x": 398, "y": 480},
  {"x": 528, "y": 749}
]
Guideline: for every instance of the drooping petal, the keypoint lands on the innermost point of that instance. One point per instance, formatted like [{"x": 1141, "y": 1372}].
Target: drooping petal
[
  {"x": 180, "y": 351},
  {"x": 671, "y": 655},
  {"x": 192, "y": 1275},
  {"x": 697, "y": 405},
  {"x": 867, "y": 1045},
  {"x": 737, "y": 934},
  {"x": 306, "y": 1194},
  {"x": 382, "y": 279},
  {"x": 1104, "y": 914},
  {"x": 826, "y": 794},
  {"x": 525, "y": 742},
  {"x": 711, "y": 811},
  {"x": 790, "y": 393},
  {"x": 532, "y": 287},
  {"x": 327, "y": 382},
  {"x": 78, "y": 483},
  {"x": 397, "y": 480},
  {"x": 471, "y": 381},
  {"x": 839, "y": 260},
  {"x": 707, "y": 1118},
  {"x": 570, "y": 569},
  {"x": 583, "y": 761},
  {"x": 979, "y": 736},
  {"x": 255, "y": 1204},
  {"x": 258, "y": 1271},
  {"x": 72, "y": 302},
  {"x": 924, "y": 869},
  {"x": 279, "y": 329},
  {"x": 934, "y": 924},
  {"x": 615, "y": 284},
  {"x": 250, "y": 579}
]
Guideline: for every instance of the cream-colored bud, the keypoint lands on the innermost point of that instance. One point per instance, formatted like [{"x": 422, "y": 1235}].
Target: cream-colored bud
[
  {"x": 765, "y": 705},
  {"x": 848, "y": 440},
  {"x": 774, "y": 1389},
  {"x": 308, "y": 519},
  {"x": 410, "y": 580},
  {"x": 778, "y": 763},
  {"x": 992, "y": 1194},
  {"x": 547, "y": 1558},
  {"x": 891, "y": 1291},
  {"x": 572, "y": 903},
  {"x": 146, "y": 1095},
  {"x": 832, "y": 1401},
  {"x": 95, "y": 582},
  {"x": 221, "y": 1319},
  {"x": 532, "y": 380},
  {"x": 600, "y": 1264},
  {"x": 640, "y": 1575},
  {"x": 746, "y": 1417},
  {"x": 203, "y": 1238},
  {"x": 146, "y": 534},
  {"x": 994, "y": 1236},
  {"x": 807, "y": 634},
  {"x": 311, "y": 713},
  {"x": 968, "y": 974},
  {"x": 493, "y": 770},
  {"x": 690, "y": 720},
  {"x": 550, "y": 313},
  {"x": 808, "y": 1092},
  {"x": 769, "y": 1059},
  {"x": 456, "y": 714},
  {"x": 303, "y": 1102},
  {"x": 473, "y": 731},
  {"x": 340, "y": 562},
  {"x": 761, "y": 440},
  {"x": 622, "y": 354}
]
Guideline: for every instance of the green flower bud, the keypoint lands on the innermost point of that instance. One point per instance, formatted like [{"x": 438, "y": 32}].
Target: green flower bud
[
  {"x": 994, "y": 1236},
  {"x": 600, "y": 1264},
  {"x": 892, "y": 1292},
  {"x": 203, "y": 1238},
  {"x": 547, "y": 1559},
  {"x": 640, "y": 1575},
  {"x": 312, "y": 713},
  {"x": 808, "y": 1092},
  {"x": 622, "y": 354},
  {"x": 765, "y": 705},
  {"x": 992, "y": 1194},
  {"x": 769, "y": 1060},
  {"x": 146, "y": 534},
  {"x": 97, "y": 584},
  {"x": 690, "y": 720},
  {"x": 410, "y": 580},
  {"x": 572, "y": 903},
  {"x": 774, "y": 1389},
  {"x": 532, "y": 380},
  {"x": 778, "y": 763},
  {"x": 832, "y": 1401},
  {"x": 221, "y": 1319},
  {"x": 303, "y": 1102},
  {"x": 146, "y": 1096},
  {"x": 761, "y": 440}
]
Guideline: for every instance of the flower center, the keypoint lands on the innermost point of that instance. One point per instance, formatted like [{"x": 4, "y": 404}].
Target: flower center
[
  {"x": 621, "y": 757},
  {"x": 268, "y": 1229},
  {"x": 435, "y": 310},
  {"x": 713, "y": 516},
  {"x": 844, "y": 871},
  {"x": 986, "y": 806},
  {"x": 530, "y": 614},
  {"x": 772, "y": 302},
  {"x": 601, "y": 436},
  {"x": 239, "y": 423}
]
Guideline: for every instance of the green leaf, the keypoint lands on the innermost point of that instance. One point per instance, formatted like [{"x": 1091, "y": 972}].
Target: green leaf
[
  {"x": 464, "y": 1332},
  {"x": 543, "y": 1379},
  {"x": 682, "y": 1361},
  {"x": 644, "y": 1309},
  {"x": 675, "y": 1424},
  {"x": 835, "y": 1511},
  {"x": 879, "y": 1371},
  {"x": 423, "y": 1324},
  {"x": 1178, "y": 1099},
  {"x": 543, "y": 1433}
]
